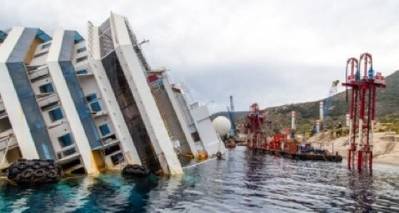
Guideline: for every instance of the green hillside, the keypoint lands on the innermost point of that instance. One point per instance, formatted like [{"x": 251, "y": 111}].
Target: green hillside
[{"x": 307, "y": 113}]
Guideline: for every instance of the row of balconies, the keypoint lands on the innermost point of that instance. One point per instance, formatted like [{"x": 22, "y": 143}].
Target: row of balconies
[{"x": 51, "y": 99}]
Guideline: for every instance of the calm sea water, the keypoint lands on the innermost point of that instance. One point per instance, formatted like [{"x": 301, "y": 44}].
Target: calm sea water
[{"x": 243, "y": 182}]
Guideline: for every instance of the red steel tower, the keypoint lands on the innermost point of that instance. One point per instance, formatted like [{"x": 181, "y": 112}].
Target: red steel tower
[
  {"x": 362, "y": 106},
  {"x": 255, "y": 120}
]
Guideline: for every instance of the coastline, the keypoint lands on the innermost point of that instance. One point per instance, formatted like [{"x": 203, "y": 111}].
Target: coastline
[{"x": 385, "y": 146}]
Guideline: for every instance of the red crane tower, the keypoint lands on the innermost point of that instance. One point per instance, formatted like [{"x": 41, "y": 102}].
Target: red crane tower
[
  {"x": 362, "y": 107},
  {"x": 255, "y": 120}
]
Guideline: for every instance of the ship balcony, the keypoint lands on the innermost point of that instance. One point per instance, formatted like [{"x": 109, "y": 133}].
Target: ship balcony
[
  {"x": 108, "y": 141},
  {"x": 62, "y": 123},
  {"x": 3, "y": 113},
  {"x": 2, "y": 108},
  {"x": 84, "y": 73},
  {"x": 67, "y": 154},
  {"x": 7, "y": 139},
  {"x": 99, "y": 114},
  {"x": 38, "y": 73},
  {"x": 47, "y": 99},
  {"x": 7, "y": 142},
  {"x": 97, "y": 109},
  {"x": 81, "y": 54}
]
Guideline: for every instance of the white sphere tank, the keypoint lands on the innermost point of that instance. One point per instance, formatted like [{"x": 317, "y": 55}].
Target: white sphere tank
[{"x": 222, "y": 125}]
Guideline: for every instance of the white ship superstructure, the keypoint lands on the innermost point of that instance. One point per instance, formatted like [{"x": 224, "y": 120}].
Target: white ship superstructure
[{"x": 91, "y": 104}]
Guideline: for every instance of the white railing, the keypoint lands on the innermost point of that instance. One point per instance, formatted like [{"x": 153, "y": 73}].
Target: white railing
[
  {"x": 61, "y": 154},
  {"x": 47, "y": 98},
  {"x": 38, "y": 73}
]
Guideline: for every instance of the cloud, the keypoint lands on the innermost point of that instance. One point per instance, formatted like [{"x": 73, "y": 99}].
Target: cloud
[
  {"x": 267, "y": 83},
  {"x": 272, "y": 52}
]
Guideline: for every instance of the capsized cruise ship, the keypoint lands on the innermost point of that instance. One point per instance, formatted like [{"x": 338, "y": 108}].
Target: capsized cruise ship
[{"x": 94, "y": 104}]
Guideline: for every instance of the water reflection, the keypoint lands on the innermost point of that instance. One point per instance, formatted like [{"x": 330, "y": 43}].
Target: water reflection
[
  {"x": 243, "y": 182},
  {"x": 254, "y": 163},
  {"x": 361, "y": 191},
  {"x": 75, "y": 192}
]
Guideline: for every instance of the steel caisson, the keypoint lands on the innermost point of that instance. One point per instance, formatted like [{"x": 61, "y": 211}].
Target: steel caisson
[{"x": 361, "y": 90}]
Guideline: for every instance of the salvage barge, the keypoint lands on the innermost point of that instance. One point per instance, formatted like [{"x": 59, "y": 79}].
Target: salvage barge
[
  {"x": 281, "y": 144},
  {"x": 305, "y": 156}
]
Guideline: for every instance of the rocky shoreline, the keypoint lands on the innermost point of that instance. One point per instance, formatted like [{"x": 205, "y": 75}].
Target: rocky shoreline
[{"x": 385, "y": 147}]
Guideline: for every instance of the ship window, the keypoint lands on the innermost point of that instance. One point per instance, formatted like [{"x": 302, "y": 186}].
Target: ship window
[
  {"x": 65, "y": 140},
  {"x": 56, "y": 114},
  {"x": 81, "y": 59},
  {"x": 104, "y": 129},
  {"x": 111, "y": 149},
  {"x": 46, "y": 88},
  {"x": 95, "y": 107},
  {"x": 81, "y": 72},
  {"x": 81, "y": 50},
  {"x": 93, "y": 103},
  {"x": 117, "y": 159},
  {"x": 195, "y": 136}
]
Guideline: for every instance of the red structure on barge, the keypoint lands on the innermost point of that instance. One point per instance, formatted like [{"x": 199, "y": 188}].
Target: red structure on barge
[
  {"x": 280, "y": 144},
  {"x": 255, "y": 120}
]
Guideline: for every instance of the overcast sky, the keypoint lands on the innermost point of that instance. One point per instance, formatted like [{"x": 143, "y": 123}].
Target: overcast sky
[{"x": 265, "y": 51}]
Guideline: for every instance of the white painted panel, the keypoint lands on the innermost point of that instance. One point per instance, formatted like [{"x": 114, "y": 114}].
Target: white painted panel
[
  {"x": 68, "y": 105},
  {"x": 206, "y": 131},
  {"x": 179, "y": 113},
  {"x": 11, "y": 101}
]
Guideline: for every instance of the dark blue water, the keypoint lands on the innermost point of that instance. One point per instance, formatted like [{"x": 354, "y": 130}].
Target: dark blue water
[{"x": 243, "y": 182}]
